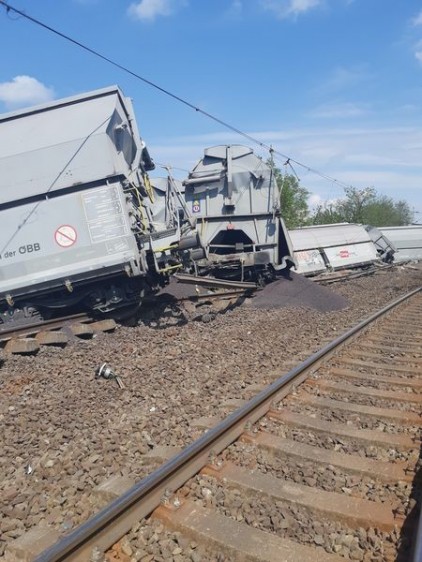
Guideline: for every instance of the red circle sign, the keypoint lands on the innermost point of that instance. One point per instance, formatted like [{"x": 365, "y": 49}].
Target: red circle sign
[{"x": 65, "y": 236}]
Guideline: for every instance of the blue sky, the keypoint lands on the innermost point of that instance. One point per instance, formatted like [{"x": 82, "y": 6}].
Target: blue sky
[{"x": 334, "y": 84}]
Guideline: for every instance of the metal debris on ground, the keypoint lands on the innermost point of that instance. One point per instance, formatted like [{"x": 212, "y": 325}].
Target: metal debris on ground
[{"x": 106, "y": 372}]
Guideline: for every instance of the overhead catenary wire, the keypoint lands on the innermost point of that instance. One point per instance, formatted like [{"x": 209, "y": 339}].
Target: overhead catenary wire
[
  {"x": 185, "y": 102},
  {"x": 171, "y": 167}
]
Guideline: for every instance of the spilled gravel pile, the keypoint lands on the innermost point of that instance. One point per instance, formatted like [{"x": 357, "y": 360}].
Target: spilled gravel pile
[{"x": 299, "y": 291}]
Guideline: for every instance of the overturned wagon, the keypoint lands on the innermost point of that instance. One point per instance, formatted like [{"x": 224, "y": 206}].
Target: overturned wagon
[
  {"x": 406, "y": 241},
  {"x": 331, "y": 247},
  {"x": 234, "y": 196},
  {"x": 77, "y": 209}
]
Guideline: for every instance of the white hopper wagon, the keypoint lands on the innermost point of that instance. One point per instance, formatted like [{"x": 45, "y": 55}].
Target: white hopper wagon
[
  {"x": 332, "y": 247},
  {"x": 407, "y": 241}
]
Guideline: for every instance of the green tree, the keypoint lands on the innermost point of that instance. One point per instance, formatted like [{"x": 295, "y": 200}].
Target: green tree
[
  {"x": 353, "y": 206},
  {"x": 326, "y": 213},
  {"x": 364, "y": 206},
  {"x": 386, "y": 212},
  {"x": 293, "y": 200}
]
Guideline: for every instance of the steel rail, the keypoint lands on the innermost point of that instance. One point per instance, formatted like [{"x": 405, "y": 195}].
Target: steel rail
[
  {"x": 213, "y": 282},
  {"x": 28, "y": 330},
  {"x": 220, "y": 294},
  {"x": 339, "y": 278},
  {"x": 112, "y": 522},
  {"x": 417, "y": 540},
  {"x": 327, "y": 280},
  {"x": 225, "y": 293}
]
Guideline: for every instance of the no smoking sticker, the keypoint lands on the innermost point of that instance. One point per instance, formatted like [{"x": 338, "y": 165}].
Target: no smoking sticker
[{"x": 65, "y": 236}]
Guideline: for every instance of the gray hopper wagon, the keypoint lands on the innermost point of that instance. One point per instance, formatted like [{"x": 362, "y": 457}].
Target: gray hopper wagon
[
  {"x": 405, "y": 240},
  {"x": 77, "y": 209},
  {"x": 234, "y": 196}
]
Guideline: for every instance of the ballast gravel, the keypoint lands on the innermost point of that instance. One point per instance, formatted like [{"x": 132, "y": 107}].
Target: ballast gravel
[
  {"x": 358, "y": 421},
  {"x": 326, "y": 477},
  {"x": 364, "y": 400},
  {"x": 337, "y": 444},
  {"x": 291, "y": 522},
  {"x": 64, "y": 431},
  {"x": 372, "y": 382}
]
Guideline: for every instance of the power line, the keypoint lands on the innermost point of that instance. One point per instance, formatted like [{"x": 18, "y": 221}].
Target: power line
[
  {"x": 161, "y": 165},
  {"x": 232, "y": 128}
]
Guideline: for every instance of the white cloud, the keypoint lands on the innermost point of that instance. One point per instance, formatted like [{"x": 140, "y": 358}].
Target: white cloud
[
  {"x": 149, "y": 10},
  {"x": 315, "y": 200},
  {"x": 24, "y": 91},
  {"x": 290, "y": 8},
  {"x": 418, "y": 19},
  {"x": 342, "y": 78},
  {"x": 386, "y": 157},
  {"x": 407, "y": 108},
  {"x": 338, "y": 111},
  {"x": 235, "y": 9}
]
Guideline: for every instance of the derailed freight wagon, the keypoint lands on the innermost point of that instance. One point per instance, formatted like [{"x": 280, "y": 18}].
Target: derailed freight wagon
[
  {"x": 406, "y": 240},
  {"x": 386, "y": 250},
  {"x": 332, "y": 247},
  {"x": 77, "y": 209},
  {"x": 234, "y": 197}
]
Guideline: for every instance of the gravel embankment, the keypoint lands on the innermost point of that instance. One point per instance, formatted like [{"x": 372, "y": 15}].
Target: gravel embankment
[{"x": 64, "y": 431}]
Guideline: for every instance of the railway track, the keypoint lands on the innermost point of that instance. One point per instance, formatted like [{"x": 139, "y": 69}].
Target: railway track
[
  {"x": 347, "y": 275},
  {"x": 26, "y": 339},
  {"x": 323, "y": 465},
  {"x": 8, "y": 333}
]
